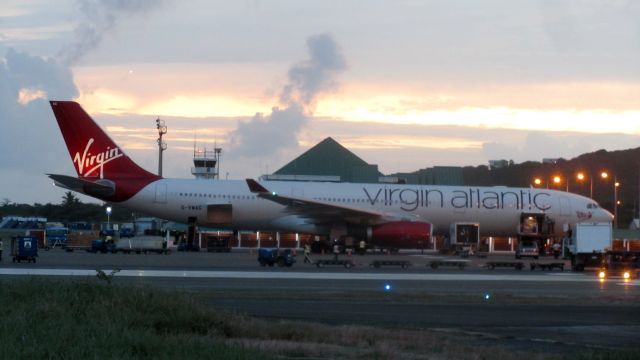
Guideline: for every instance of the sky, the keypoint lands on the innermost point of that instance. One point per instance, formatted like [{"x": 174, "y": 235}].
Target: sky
[{"x": 403, "y": 84}]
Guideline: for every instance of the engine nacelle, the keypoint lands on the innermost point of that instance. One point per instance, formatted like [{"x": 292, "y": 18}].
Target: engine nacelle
[{"x": 400, "y": 234}]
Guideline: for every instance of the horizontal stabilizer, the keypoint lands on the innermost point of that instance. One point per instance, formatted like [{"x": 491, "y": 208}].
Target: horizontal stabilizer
[{"x": 99, "y": 188}]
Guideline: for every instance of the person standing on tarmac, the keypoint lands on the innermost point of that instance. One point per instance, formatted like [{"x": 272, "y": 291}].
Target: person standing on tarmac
[
  {"x": 556, "y": 249},
  {"x": 307, "y": 252},
  {"x": 336, "y": 250}
]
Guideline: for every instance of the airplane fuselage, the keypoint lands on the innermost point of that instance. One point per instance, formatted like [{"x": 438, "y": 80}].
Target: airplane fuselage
[{"x": 497, "y": 209}]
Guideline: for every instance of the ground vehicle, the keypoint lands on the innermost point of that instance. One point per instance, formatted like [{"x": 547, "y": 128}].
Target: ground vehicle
[
  {"x": 127, "y": 232},
  {"x": 102, "y": 246},
  {"x": 588, "y": 244},
  {"x": 24, "y": 248},
  {"x": 141, "y": 244},
  {"x": 619, "y": 263},
  {"x": 56, "y": 236},
  {"x": 464, "y": 237},
  {"x": 218, "y": 244},
  {"x": 281, "y": 257},
  {"x": 527, "y": 249}
]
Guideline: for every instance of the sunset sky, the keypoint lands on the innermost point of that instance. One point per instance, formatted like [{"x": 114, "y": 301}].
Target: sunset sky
[{"x": 403, "y": 84}]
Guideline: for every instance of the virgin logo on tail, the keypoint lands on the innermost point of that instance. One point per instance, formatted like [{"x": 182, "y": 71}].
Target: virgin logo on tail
[{"x": 88, "y": 162}]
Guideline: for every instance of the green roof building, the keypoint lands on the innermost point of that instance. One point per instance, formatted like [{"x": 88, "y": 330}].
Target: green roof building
[{"x": 328, "y": 161}]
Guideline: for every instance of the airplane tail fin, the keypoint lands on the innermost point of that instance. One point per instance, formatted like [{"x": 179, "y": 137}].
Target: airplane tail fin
[{"x": 97, "y": 159}]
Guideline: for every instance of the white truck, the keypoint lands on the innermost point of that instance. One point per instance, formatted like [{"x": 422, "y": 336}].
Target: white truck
[
  {"x": 588, "y": 243},
  {"x": 141, "y": 244}
]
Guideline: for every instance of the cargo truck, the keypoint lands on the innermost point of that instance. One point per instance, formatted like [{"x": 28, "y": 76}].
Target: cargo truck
[{"x": 588, "y": 244}]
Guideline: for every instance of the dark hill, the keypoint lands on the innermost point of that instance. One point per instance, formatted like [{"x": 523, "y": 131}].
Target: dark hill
[{"x": 622, "y": 165}]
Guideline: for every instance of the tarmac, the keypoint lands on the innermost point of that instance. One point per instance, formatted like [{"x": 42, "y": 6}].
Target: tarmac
[{"x": 560, "y": 311}]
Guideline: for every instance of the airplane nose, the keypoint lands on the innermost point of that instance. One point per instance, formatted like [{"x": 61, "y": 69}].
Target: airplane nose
[{"x": 604, "y": 216}]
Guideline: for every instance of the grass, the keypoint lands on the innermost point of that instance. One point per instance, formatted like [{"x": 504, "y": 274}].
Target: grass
[
  {"x": 44, "y": 319},
  {"x": 92, "y": 319}
]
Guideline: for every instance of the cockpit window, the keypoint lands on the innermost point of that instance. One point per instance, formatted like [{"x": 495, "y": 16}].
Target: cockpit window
[{"x": 592, "y": 206}]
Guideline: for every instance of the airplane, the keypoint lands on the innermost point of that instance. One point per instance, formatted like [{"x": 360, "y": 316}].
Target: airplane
[{"x": 384, "y": 215}]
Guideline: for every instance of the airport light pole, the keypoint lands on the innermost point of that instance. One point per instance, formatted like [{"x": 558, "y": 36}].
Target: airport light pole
[
  {"x": 162, "y": 146},
  {"x": 108, "y": 217},
  {"x": 538, "y": 181},
  {"x": 557, "y": 179},
  {"x": 616, "y": 185},
  {"x": 616, "y": 202},
  {"x": 581, "y": 176}
]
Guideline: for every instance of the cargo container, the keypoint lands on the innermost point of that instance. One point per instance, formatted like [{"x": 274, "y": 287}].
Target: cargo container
[{"x": 24, "y": 248}]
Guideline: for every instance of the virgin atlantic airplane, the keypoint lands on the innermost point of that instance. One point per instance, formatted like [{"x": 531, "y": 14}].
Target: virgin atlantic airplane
[{"x": 387, "y": 215}]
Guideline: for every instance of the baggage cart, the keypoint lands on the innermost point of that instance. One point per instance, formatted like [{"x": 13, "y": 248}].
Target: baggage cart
[{"x": 24, "y": 248}]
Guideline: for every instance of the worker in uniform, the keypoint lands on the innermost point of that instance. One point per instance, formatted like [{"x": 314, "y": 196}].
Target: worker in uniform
[
  {"x": 307, "y": 252},
  {"x": 362, "y": 247},
  {"x": 556, "y": 249},
  {"x": 336, "y": 249}
]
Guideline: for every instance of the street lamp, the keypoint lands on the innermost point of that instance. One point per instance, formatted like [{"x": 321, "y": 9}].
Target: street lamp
[
  {"x": 616, "y": 184},
  {"x": 581, "y": 177},
  {"x": 108, "y": 217},
  {"x": 557, "y": 179},
  {"x": 604, "y": 175}
]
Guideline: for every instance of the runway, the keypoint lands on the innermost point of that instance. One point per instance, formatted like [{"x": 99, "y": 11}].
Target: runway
[
  {"x": 558, "y": 311},
  {"x": 551, "y": 277}
]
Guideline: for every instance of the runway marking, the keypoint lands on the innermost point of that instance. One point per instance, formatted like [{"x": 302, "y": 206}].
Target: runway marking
[{"x": 302, "y": 275}]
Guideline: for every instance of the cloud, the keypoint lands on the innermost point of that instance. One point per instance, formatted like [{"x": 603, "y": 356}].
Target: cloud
[
  {"x": 310, "y": 78},
  {"x": 31, "y": 143},
  {"x": 306, "y": 81},
  {"x": 100, "y": 17}
]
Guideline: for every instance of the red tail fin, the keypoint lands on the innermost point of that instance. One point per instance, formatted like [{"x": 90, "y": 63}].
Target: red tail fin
[{"x": 94, "y": 155}]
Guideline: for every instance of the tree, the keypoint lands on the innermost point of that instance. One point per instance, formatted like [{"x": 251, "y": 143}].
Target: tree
[{"x": 69, "y": 199}]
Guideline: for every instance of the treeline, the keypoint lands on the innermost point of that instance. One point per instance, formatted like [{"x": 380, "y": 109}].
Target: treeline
[{"x": 71, "y": 209}]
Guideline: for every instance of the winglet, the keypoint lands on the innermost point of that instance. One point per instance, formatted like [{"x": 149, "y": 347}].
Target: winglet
[{"x": 255, "y": 187}]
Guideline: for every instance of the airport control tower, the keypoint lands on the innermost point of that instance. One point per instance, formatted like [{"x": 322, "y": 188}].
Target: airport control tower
[{"x": 206, "y": 163}]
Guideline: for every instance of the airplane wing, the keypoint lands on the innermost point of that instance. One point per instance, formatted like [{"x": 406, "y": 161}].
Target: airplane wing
[
  {"x": 101, "y": 187},
  {"x": 320, "y": 211}
]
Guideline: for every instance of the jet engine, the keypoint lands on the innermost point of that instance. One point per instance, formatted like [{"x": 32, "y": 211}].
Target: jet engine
[{"x": 400, "y": 234}]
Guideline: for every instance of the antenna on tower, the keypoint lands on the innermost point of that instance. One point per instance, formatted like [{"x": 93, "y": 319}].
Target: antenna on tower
[{"x": 162, "y": 146}]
